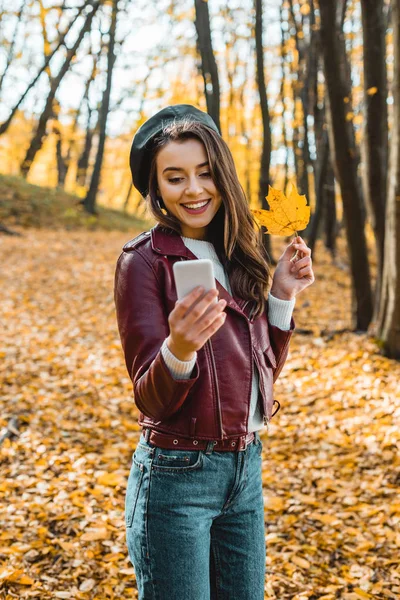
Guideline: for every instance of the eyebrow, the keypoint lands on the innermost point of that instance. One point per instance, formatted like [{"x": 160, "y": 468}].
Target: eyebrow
[{"x": 180, "y": 169}]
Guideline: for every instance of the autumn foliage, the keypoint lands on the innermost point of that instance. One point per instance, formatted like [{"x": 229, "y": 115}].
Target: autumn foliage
[{"x": 331, "y": 467}]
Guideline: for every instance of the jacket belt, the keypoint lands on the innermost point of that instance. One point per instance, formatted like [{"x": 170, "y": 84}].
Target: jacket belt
[{"x": 164, "y": 440}]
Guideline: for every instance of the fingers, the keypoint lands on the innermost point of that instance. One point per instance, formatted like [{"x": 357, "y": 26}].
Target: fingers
[
  {"x": 302, "y": 267},
  {"x": 207, "y": 318},
  {"x": 196, "y": 318},
  {"x": 300, "y": 263},
  {"x": 196, "y": 308},
  {"x": 200, "y": 306},
  {"x": 301, "y": 246},
  {"x": 185, "y": 304},
  {"x": 213, "y": 328}
]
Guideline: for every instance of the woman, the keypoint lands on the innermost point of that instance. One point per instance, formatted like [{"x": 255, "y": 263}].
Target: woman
[{"x": 202, "y": 372}]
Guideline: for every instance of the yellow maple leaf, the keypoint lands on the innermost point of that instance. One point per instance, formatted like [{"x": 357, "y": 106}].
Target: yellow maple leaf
[{"x": 287, "y": 215}]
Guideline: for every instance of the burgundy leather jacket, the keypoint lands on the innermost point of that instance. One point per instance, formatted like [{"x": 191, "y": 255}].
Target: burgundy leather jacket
[{"x": 214, "y": 403}]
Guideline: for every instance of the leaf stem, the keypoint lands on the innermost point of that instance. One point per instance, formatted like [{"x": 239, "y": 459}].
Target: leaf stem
[{"x": 297, "y": 251}]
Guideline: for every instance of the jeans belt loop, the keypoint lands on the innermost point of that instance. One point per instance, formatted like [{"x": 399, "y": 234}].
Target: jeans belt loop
[
  {"x": 242, "y": 444},
  {"x": 147, "y": 432},
  {"x": 210, "y": 447}
]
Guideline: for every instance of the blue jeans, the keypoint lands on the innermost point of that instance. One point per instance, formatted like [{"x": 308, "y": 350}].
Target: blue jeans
[{"x": 195, "y": 523}]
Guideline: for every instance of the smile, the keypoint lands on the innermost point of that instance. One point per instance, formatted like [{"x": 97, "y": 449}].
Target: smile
[{"x": 196, "y": 207}]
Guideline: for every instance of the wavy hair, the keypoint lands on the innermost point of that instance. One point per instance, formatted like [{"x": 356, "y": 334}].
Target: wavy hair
[{"x": 236, "y": 236}]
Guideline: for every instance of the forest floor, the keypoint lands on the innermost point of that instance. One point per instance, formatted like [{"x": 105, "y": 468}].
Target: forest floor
[{"x": 331, "y": 461}]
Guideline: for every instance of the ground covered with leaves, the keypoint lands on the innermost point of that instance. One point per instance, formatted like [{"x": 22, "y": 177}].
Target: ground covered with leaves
[{"x": 331, "y": 459}]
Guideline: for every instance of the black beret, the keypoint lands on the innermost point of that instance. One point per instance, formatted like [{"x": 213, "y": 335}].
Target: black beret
[{"x": 139, "y": 159}]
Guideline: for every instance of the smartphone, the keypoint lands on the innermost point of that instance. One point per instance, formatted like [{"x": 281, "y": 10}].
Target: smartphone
[{"x": 188, "y": 274}]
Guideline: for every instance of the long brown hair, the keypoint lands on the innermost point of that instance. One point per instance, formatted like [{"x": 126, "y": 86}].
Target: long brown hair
[{"x": 236, "y": 236}]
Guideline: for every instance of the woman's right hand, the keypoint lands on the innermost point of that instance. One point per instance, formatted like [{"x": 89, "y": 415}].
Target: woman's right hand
[{"x": 192, "y": 322}]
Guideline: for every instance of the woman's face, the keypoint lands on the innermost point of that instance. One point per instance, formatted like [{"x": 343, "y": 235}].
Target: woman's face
[{"x": 184, "y": 178}]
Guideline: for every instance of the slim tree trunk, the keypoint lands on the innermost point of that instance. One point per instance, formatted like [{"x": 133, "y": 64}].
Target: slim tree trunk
[
  {"x": 62, "y": 164},
  {"x": 282, "y": 95},
  {"x": 209, "y": 67},
  {"x": 245, "y": 134},
  {"x": 301, "y": 92},
  {"x": 388, "y": 324},
  {"x": 83, "y": 162},
  {"x": 37, "y": 140},
  {"x": 341, "y": 137},
  {"x": 90, "y": 200},
  {"x": 375, "y": 139},
  {"x": 331, "y": 223},
  {"x": 265, "y": 161}
]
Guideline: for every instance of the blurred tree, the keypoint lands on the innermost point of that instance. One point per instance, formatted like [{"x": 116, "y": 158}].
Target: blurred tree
[
  {"x": 83, "y": 160},
  {"x": 47, "y": 113},
  {"x": 11, "y": 50},
  {"x": 209, "y": 67},
  {"x": 345, "y": 164},
  {"x": 60, "y": 42},
  {"x": 305, "y": 47},
  {"x": 374, "y": 143},
  {"x": 265, "y": 160},
  {"x": 89, "y": 202},
  {"x": 388, "y": 324},
  {"x": 324, "y": 218}
]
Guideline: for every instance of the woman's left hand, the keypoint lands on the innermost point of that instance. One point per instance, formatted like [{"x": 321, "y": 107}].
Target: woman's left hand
[{"x": 293, "y": 276}]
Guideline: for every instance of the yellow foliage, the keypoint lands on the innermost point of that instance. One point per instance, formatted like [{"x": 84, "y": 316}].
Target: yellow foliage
[
  {"x": 287, "y": 215},
  {"x": 305, "y": 9}
]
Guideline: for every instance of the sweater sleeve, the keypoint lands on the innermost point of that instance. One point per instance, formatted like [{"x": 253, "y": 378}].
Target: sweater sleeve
[
  {"x": 280, "y": 312},
  {"x": 180, "y": 369}
]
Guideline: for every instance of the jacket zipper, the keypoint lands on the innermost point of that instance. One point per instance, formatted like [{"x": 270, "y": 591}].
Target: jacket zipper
[
  {"x": 214, "y": 373},
  {"x": 215, "y": 378}
]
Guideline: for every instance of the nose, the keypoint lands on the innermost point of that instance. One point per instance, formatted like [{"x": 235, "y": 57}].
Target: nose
[{"x": 194, "y": 187}]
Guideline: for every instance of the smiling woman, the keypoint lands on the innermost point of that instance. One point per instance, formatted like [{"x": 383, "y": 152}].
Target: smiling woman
[
  {"x": 202, "y": 371},
  {"x": 191, "y": 197}
]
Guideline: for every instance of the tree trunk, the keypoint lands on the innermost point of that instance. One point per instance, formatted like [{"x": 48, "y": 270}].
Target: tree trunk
[
  {"x": 265, "y": 161},
  {"x": 282, "y": 96},
  {"x": 341, "y": 138},
  {"x": 83, "y": 162},
  {"x": 301, "y": 91},
  {"x": 37, "y": 140},
  {"x": 90, "y": 200},
  {"x": 64, "y": 160},
  {"x": 209, "y": 67},
  {"x": 62, "y": 164},
  {"x": 388, "y": 324},
  {"x": 331, "y": 223},
  {"x": 375, "y": 136}
]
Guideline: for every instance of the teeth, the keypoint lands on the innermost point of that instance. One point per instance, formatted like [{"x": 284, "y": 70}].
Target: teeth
[{"x": 198, "y": 205}]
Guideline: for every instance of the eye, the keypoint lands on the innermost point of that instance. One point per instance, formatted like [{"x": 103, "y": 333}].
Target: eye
[
  {"x": 174, "y": 179},
  {"x": 207, "y": 174}
]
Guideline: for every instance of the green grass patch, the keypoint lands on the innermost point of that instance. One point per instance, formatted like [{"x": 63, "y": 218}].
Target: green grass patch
[{"x": 23, "y": 205}]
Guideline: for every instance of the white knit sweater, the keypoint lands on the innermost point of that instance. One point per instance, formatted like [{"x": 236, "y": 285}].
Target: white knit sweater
[{"x": 279, "y": 314}]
